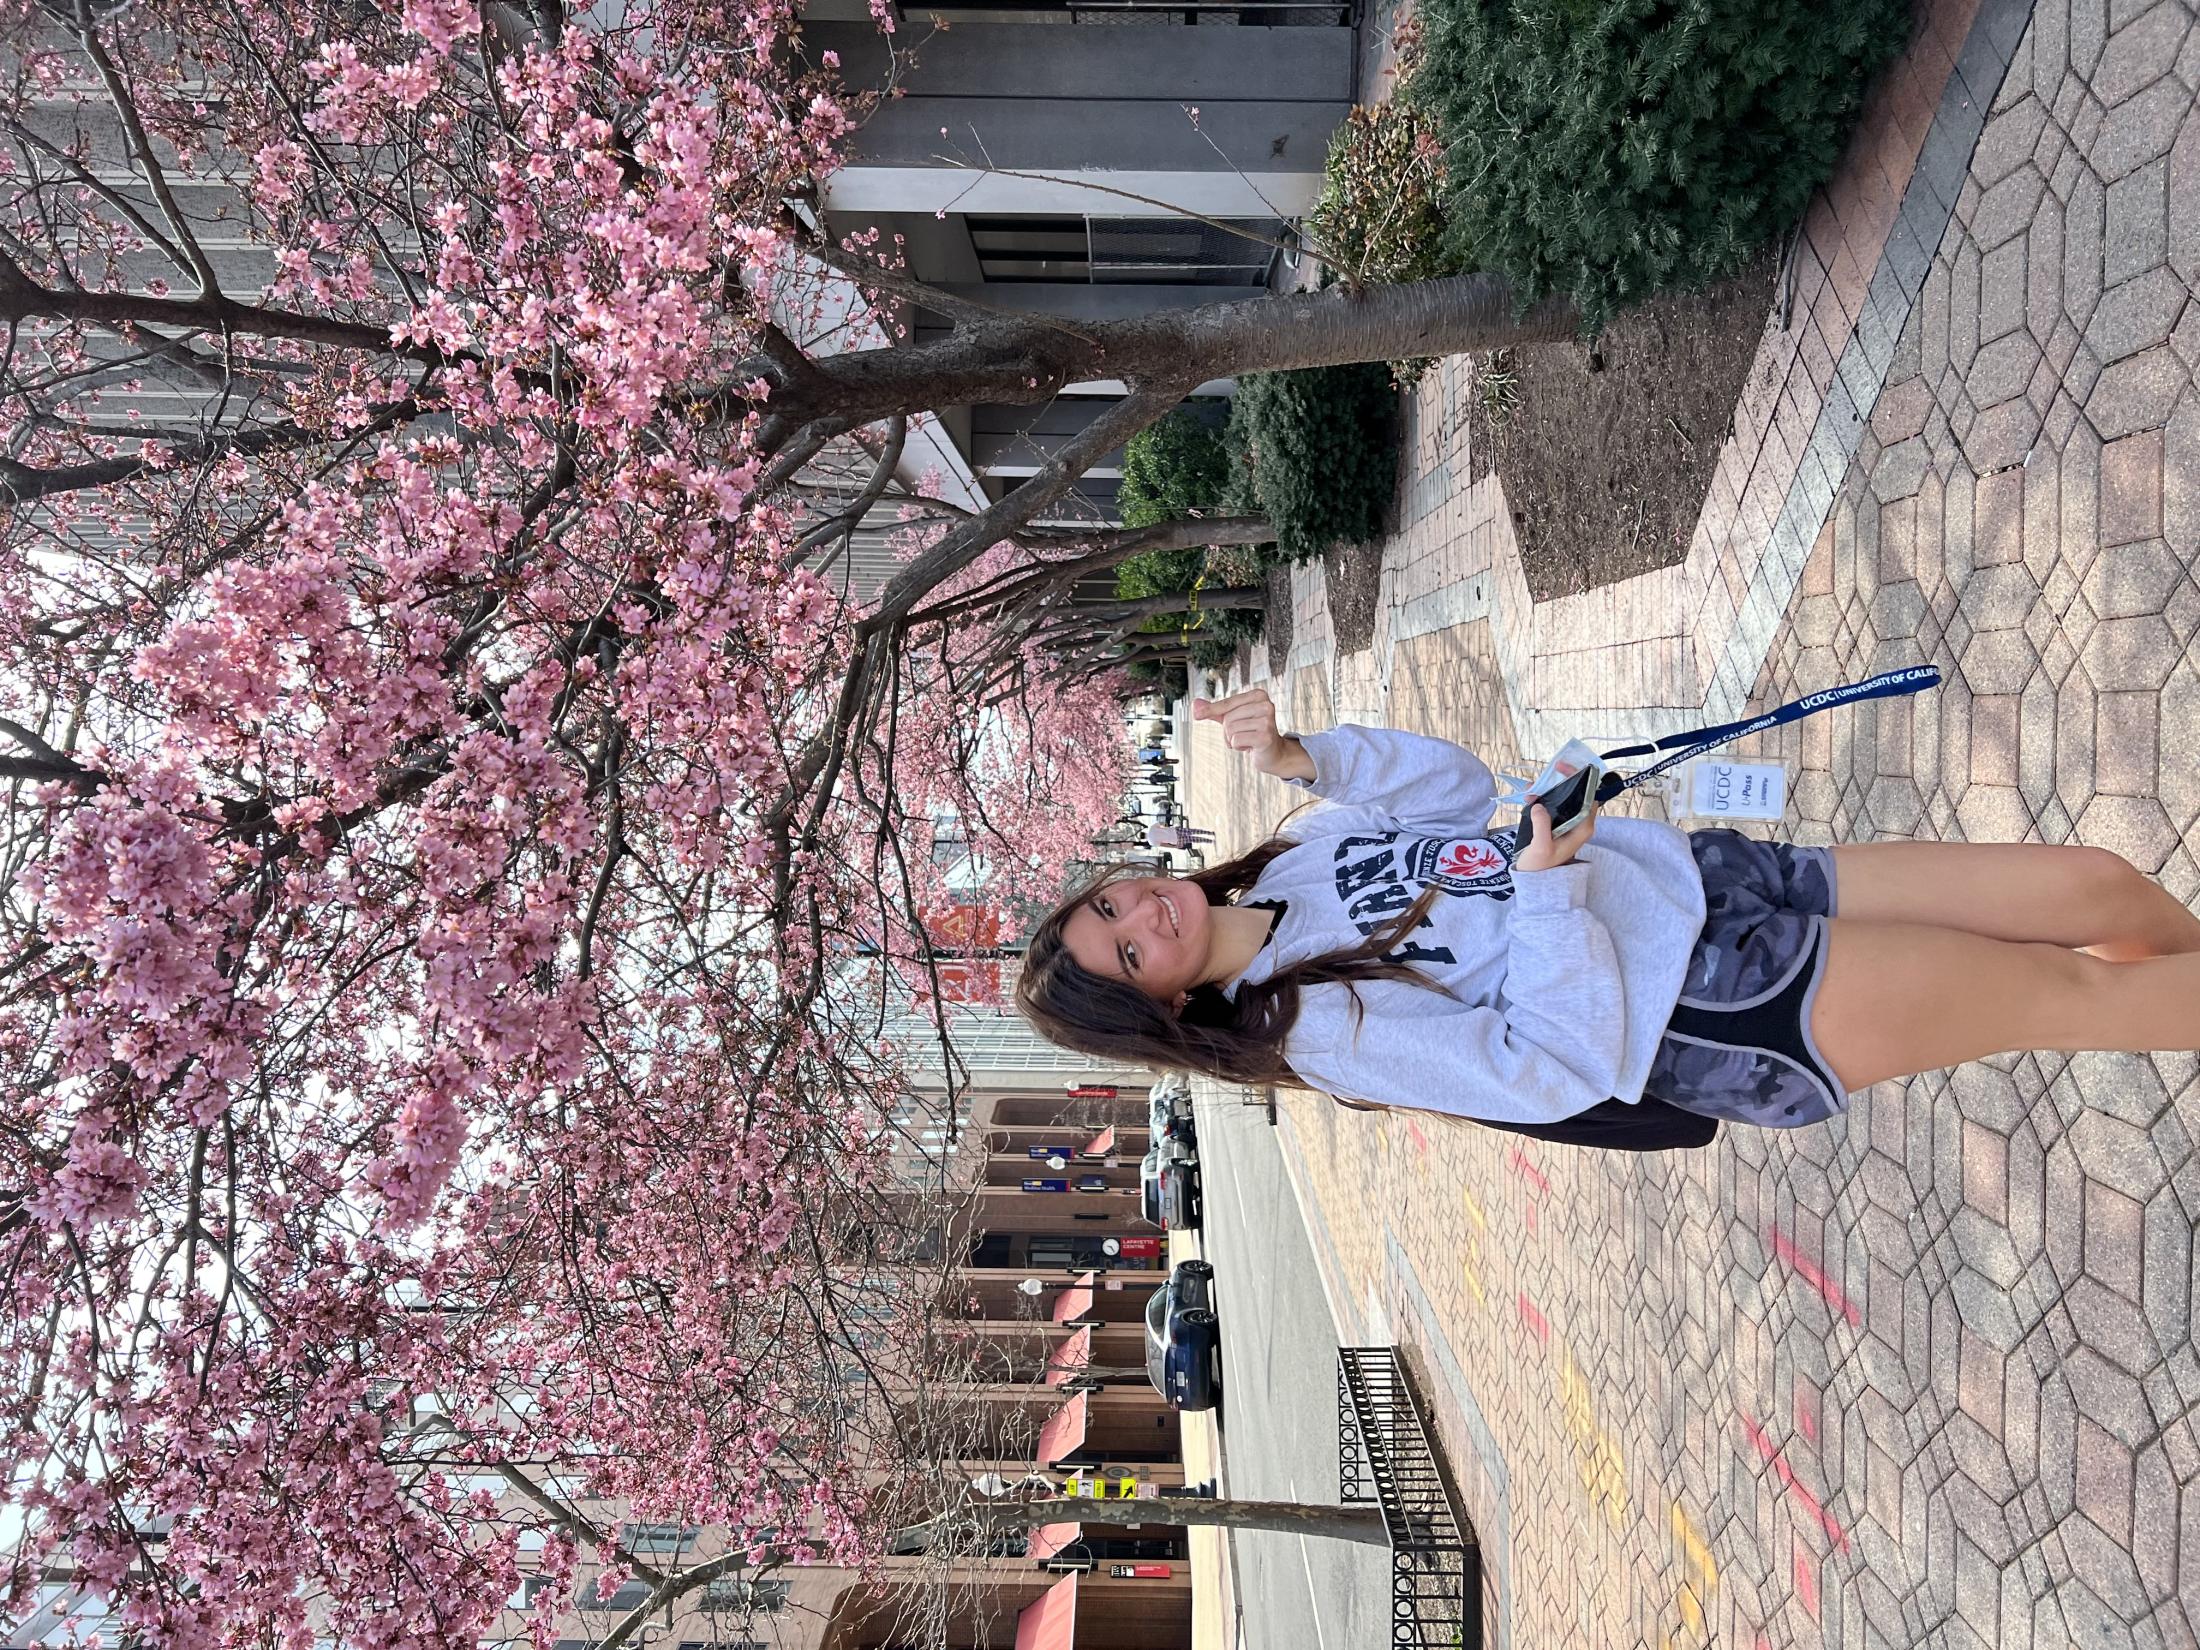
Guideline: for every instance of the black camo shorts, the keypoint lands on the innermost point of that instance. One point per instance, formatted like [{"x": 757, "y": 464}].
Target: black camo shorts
[{"x": 1739, "y": 1045}]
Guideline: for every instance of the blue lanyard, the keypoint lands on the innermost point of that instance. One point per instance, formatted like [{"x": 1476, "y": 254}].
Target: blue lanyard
[{"x": 1892, "y": 684}]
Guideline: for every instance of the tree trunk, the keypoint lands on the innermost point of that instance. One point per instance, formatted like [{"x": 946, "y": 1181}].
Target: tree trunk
[
  {"x": 1363, "y": 1525},
  {"x": 1094, "y": 553},
  {"x": 1102, "y": 615},
  {"x": 1018, "y": 362}
]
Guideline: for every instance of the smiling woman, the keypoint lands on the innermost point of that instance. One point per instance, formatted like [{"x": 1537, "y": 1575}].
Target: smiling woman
[
  {"x": 1623, "y": 984},
  {"x": 1160, "y": 936}
]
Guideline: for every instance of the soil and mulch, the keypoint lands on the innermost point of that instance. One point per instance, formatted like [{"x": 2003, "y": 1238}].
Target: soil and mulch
[
  {"x": 1276, "y": 620},
  {"x": 1354, "y": 575},
  {"x": 1606, "y": 451}
]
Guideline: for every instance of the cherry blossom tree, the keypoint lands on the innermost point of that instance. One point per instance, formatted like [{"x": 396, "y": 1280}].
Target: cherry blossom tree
[{"x": 446, "y": 804}]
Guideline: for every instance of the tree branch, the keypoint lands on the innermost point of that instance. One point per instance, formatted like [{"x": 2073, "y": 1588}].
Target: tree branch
[
  {"x": 848, "y": 520},
  {"x": 141, "y": 150},
  {"x": 22, "y": 298},
  {"x": 23, "y": 484}
]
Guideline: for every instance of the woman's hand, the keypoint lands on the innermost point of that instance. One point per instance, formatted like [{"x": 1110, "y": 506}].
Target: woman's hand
[
  {"x": 1548, "y": 852},
  {"x": 1248, "y": 722}
]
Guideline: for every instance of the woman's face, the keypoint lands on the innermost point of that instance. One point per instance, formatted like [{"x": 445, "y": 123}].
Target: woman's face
[{"x": 1153, "y": 932}]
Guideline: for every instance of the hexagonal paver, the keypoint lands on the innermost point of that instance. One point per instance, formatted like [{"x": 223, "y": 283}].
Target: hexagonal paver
[
  {"x": 2140, "y": 129},
  {"x": 2137, "y": 315},
  {"x": 2134, "y": 826},
  {"x": 2140, "y": 53},
  {"x": 2131, "y": 492},
  {"x": 2181, "y": 477},
  {"x": 2137, "y": 393}
]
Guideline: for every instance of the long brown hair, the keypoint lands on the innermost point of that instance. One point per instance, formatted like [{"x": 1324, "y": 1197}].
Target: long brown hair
[{"x": 1239, "y": 1040}]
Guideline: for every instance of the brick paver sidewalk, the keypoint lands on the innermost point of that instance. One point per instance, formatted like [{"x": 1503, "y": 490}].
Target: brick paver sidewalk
[{"x": 1926, "y": 1375}]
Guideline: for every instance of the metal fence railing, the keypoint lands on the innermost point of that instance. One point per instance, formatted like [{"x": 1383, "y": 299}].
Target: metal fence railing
[{"x": 1384, "y": 1457}]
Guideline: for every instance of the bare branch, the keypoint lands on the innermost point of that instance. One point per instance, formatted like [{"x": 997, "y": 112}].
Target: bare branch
[
  {"x": 848, "y": 520},
  {"x": 141, "y": 150}
]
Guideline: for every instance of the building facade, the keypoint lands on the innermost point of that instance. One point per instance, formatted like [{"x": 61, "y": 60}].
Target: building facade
[
  {"x": 1047, "y": 1269},
  {"x": 1088, "y": 159}
]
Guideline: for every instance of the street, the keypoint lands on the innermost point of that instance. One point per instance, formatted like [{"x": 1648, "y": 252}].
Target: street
[{"x": 1279, "y": 1404}]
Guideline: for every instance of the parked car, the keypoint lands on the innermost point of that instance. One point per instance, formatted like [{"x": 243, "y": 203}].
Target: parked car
[
  {"x": 1183, "y": 1342},
  {"x": 1168, "y": 1184},
  {"x": 1169, "y": 1107}
]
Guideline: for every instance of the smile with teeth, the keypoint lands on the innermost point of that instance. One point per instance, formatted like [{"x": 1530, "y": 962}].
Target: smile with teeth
[{"x": 1169, "y": 906}]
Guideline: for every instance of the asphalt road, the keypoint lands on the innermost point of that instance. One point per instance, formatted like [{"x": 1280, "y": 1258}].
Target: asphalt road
[{"x": 1279, "y": 1404}]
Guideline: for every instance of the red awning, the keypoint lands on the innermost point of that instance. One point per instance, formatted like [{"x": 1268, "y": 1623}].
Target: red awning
[
  {"x": 1102, "y": 1143},
  {"x": 1050, "y": 1539},
  {"x": 1069, "y": 1358},
  {"x": 1051, "y": 1623},
  {"x": 1064, "y": 1433},
  {"x": 1075, "y": 1301}
]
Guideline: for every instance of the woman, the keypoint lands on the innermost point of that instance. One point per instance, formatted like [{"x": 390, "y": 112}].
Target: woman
[
  {"x": 1162, "y": 835},
  {"x": 1626, "y": 985}
]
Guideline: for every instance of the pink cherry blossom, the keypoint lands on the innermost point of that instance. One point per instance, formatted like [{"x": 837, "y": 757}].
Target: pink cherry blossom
[{"x": 441, "y": 996}]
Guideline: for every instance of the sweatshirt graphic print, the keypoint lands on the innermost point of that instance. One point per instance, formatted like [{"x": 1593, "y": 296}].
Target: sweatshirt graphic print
[{"x": 1556, "y": 985}]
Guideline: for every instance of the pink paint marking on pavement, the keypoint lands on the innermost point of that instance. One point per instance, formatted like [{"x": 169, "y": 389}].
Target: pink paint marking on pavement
[
  {"x": 1533, "y": 1175},
  {"x": 1786, "y": 1250},
  {"x": 1534, "y": 1319},
  {"x": 1794, "y": 1486},
  {"x": 1806, "y": 1581},
  {"x": 1420, "y": 1140}
]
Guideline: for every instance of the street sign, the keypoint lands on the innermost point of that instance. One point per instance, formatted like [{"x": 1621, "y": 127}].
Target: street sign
[{"x": 1100, "y": 1488}]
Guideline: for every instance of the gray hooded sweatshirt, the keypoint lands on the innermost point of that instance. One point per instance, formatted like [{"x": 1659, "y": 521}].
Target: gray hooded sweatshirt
[{"x": 1560, "y": 982}]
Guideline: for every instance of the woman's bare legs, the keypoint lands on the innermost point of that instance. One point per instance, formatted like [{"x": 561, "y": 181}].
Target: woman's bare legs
[
  {"x": 2070, "y": 896},
  {"x": 1898, "y": 998}
]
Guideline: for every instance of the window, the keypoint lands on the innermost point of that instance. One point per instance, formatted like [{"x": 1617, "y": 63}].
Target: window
[
  {"x": 660, "y": 1538},
  {"x": 745, "y": 1593},
  {"x": 626, "y": 1598},
  {"x": 1089, "y": 251}
]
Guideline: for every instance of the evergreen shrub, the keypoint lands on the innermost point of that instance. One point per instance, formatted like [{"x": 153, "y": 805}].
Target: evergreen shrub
[
  {"x": 1608, "y": 150},
  {"x": 1211, "y": 650},
  {"x": 1172, "y": 469},
  {"x": 1171, "y": 679},
  {"x": 1317, "y": 450}
]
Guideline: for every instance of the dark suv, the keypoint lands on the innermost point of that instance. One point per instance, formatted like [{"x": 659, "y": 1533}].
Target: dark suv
[{"x": 1183, "y": 1343}]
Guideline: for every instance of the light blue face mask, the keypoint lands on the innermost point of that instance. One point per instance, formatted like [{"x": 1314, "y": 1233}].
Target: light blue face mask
[{"x": 1562, "y": 781}]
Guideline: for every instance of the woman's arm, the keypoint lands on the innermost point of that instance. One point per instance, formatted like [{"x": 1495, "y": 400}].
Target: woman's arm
[
  {"x": 1424, "y": 784},
  {"x": 1429, "y": 786}
]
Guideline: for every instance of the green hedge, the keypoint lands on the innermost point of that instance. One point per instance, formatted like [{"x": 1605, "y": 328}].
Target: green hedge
[
  {"x": 1172, "y": 679},
  {"x": 1173, "y": 469},
  {"x": 1612, "y": 149},
  {"x": 1316, "y": 451}
]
